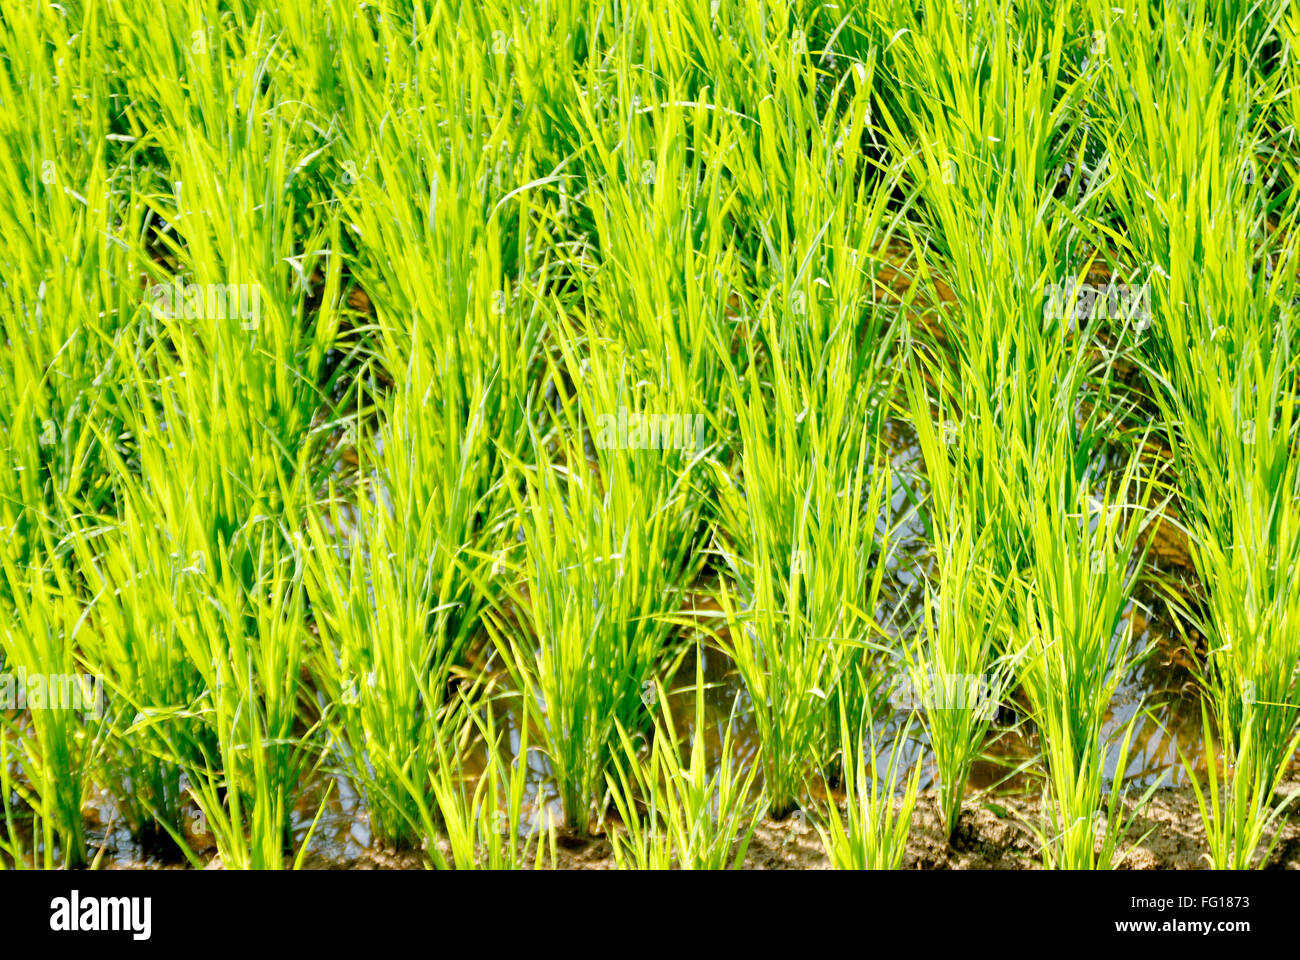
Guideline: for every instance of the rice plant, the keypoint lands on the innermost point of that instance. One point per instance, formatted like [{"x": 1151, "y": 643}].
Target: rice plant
[
  {"x": 676, "y": 815},
  {"x": 1074, "y": 648},
  {"x": 955, "y": 677},
  {"x": 872, "y": 833},
  {"x": 1239, "y": 816}
]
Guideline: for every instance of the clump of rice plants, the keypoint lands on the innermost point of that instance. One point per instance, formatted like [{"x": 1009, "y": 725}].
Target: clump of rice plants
[
  {"x": 872, "y": 833},
  {"x": 955, "y": 677},
  {"x": 604, "y": 562},
  {"x": 1073, "y": 648},
  {"x": 676, "y": 815},
  {"x": 800, "y": 635},
  {"x": 396, "y": 393}
]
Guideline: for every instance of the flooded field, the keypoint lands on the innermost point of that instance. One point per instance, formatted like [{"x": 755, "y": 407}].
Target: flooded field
[{"x": 649, "y": 436}]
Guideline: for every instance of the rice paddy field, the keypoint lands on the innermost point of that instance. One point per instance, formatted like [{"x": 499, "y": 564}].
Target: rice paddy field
[{"x": 615, "y": 434}]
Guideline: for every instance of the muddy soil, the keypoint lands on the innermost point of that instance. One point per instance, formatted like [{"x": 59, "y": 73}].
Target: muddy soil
[
  {"x": 995, "y": 834},
  {"x": 999, "y": 835}
]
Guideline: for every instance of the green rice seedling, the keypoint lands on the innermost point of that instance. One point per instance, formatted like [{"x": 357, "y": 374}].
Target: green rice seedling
[
  {"x": 1238, "y": 817},
  {"x": 771, "y": 272},
  {"x": 606, "y": 554},
  {"x": 1252, "y": 668},
  {"x": 682, "y": 816},
  {"x": 218, "y": 589},
  {"x": 476, "y": 820},
  {"x": 56, "y": 727},
  {"x": 643, "y": 845},
  {"x": 206, "y": 445},
  {"x": 65, "y": 296},
  {"x": 808, "y": 615},
  {"x": 645, "y": 189},
  {"x": 1005, "y": 382},
  {"x": 457, "y": 807},
  {"x": 804, "y": 523},
  {"x": 955, "y": 677},
  {"x": 1245, "y": 545},
  {"x": 248, "y": 820},
  {"x": 1065, "y": 844},
  {"x": 459, "y": 344},
  {"x": 500, "y": 823},
  {"x": 229, "y": 315},
  {"x": 872, "y": 833},
  {"x": 407, "y": 549},
  {"x": 384, "y": 663},
  {"x": 1074, "y": 648},
  {"x": 1025, "y": 403},
  {"x": 251, "y": 666},
  {"x": 138, "y": 584},
  {"x": 247, "y": 823}
]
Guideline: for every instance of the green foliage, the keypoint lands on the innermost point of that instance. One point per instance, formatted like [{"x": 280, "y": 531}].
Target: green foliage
[{"x": 398, "y": 392}]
